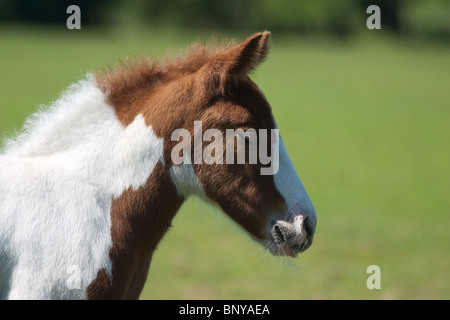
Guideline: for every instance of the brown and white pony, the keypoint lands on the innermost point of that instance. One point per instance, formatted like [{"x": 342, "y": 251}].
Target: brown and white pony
[{"x": 90, "y": 187}]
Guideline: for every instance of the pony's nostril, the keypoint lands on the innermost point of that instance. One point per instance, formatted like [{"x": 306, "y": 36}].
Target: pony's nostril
[{"x": 277, "y": 234}]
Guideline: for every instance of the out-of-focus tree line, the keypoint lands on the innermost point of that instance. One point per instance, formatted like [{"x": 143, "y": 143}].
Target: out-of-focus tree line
[{"x": 412, "y": 17}]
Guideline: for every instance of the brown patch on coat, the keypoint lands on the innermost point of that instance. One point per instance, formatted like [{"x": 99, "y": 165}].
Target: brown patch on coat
[
  {"x": 208, "y": 85},
  {"x": 139, "y": 219}
]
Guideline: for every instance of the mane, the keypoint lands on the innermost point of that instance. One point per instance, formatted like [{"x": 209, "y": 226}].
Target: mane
[
  {"x": 117, "y": 83},
  {"x": 145, "y": 73}
]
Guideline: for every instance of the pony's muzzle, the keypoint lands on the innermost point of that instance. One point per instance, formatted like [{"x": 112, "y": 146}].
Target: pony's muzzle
[{"x": 291, "y": 238}]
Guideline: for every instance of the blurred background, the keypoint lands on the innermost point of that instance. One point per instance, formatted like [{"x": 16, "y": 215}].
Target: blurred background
[{"x": 364, "y": 115}]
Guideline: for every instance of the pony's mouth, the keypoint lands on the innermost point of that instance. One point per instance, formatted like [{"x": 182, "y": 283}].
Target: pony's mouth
[{"x": 290, "y": 238}]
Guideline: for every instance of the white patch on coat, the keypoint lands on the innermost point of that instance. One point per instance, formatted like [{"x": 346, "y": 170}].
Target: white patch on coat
[
  {"x": 186, "y": 181},
  {"x": 57, "y": 183}
]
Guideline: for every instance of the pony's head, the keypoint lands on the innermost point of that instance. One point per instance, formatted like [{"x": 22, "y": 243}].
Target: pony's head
[{"x": 233, "y": 132}]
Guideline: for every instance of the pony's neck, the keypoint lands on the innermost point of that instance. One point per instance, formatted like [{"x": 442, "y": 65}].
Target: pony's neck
[{"x": 140, "y": 218}]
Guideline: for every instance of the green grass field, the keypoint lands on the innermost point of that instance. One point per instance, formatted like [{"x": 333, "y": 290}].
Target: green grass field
[{"x": 366, "y": 123}]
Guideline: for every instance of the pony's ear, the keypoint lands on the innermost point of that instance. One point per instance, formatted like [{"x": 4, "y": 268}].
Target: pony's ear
[{"x": 238, "y": 60}]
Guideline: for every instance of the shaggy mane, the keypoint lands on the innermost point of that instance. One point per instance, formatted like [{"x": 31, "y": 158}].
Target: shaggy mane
[{"x": 133, "y": 74}]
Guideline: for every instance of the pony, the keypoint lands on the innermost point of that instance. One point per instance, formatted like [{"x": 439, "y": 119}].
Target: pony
[{"x": 89, "y": 187}]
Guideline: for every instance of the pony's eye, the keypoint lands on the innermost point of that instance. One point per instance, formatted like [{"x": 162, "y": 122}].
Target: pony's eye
[{"x": 249, "y": 135}]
